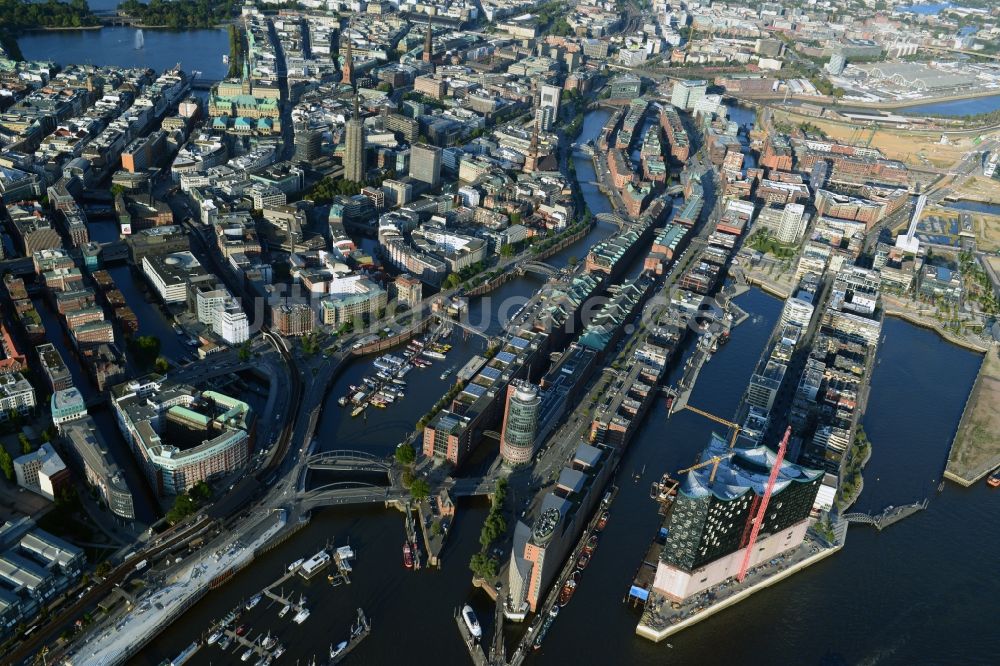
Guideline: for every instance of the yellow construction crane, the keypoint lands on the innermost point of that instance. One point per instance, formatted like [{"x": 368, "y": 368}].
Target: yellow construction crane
[
  {"x": 714, "y": 461},
  {"x": 735, "y": 427}
]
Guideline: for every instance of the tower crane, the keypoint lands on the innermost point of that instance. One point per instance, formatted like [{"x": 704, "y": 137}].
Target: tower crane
[
  {"x": 757, "y": 517},
  {"x": 713, "y": 461},
  {"x": 735, "y": 427}
]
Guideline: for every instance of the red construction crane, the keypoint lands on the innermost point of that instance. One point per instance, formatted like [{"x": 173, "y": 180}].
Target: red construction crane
[{"x": 758, "y": 519}]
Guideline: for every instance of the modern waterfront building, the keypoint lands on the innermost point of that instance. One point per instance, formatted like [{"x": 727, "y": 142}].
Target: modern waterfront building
[
  {"x": 709, "y": 525},
  {"x": 169, "y": 274},
  {"x": 182, "y": 435},
  {"x": 86, "y": 446},
  {"x": 520, "y": 423},
  {"x": 42, "y": 471},
  {"x": 540, "y": 549},
  {"x": 686, "y": 94},
  {"x": 797, "y": 311},
  {"x": 67, "y": 405}
]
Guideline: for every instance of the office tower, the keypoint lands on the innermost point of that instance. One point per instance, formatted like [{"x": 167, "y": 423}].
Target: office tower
[
  {"x": 520, "y": 423},
  {"x": 425, "y": 164}
]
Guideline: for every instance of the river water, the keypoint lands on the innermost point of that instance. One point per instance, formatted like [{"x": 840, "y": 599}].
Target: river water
[{"x": 888, "y": 597}]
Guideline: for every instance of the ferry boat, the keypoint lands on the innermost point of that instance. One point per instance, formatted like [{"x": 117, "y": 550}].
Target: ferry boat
[
  {"x": 357, "y": 410},
  {"x": 301, "y": 616},
  {"x": 430, "y": 353},
  {"x": 583, "y": 560},
  {"x": 284, "y": 610},
  {"x": 994, "y": 480},
  {"x": 471, "y": 622},
  {"x": 602, "y": 521},
  {"x": 253, "y": 601},
  {"x": 339, "y": 650},
  {"x": 407, "y": 555},
  {"x": 214, "y": 637},
  {"x": 569, "y": 588}
]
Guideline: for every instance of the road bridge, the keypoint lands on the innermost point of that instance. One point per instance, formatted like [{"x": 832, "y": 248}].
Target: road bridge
[
  {"x": 890, "y": 515},
  {"x": 347, "y": 460},
  {"x": 348, "y": 492}
]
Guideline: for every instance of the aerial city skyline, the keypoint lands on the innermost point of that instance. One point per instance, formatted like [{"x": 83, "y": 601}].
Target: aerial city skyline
[{"x": 502, "y": 331}]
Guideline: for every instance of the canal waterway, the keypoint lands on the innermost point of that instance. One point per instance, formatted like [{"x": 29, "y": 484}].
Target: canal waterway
[
  {"x": 887, "y": 597},
  {"x": 195, "y": 50},
  {"x": 961, "y": 107}
]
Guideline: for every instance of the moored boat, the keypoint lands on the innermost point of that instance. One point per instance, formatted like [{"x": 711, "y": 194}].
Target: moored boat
[
  {"x": 471, "y": 621},
  {"x": 566, "y": 593},
  {"x": 602, "y": 521},
  {"x": 338, "y": 650},
  {"x": 407, "y": 555},
  {"x": 254, "y": 600},
  {"x": 357, "y": 410},
  {"x": 583, "y": 560},
  {"x": 301, "y": 616},
  {"x": 214, "y": 637},
  {"x": 994, "y": 480}
]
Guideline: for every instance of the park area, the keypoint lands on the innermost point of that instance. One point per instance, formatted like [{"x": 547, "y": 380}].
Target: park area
[{"x": 976, "y": 449}]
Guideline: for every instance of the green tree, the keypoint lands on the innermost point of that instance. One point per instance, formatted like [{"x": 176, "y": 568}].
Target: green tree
[
  {"x": 103, "y": 569},
  {"x": 117, "y": 189},
  {"x": 405, "y": 455},
  {"x": 26, "y": 446},
  {"x": 6, "y": 464},
  {"x": 146, "y": 348},
  {"x": 420, "y": 489},
  {"x": 244, "y": 353},
  {"x": 161, "y": 365}
]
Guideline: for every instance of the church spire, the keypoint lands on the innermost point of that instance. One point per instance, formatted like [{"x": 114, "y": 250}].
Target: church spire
[
  {"x": 428, "y": 40},
  {"x": 348, "y": 65}
]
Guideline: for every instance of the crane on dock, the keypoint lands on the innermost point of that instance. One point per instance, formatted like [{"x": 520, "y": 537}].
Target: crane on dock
[
  {"x": 735, "y": 427},
  {"x": 759, "y": 507}
]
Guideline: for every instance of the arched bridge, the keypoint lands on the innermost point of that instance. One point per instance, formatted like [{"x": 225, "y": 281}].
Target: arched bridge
[
  {"x": 891, "y": 515},
  {"x": 349, "y": 492},
  {"x": 538, "y": 268},
  {"x": 346, "y": 460},
  {"x": 613, "y": 218}
]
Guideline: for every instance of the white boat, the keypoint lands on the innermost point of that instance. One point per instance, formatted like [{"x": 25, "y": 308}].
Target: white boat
[
  {"x": 269, "y": 641},
  {"x": 214, "y": 637},
  {"x": 253, "y": 601},
  {"x": 337, "y": 651},
  {"x": 278, "y": 651},
  {"x": 471, "y": 622},
  {"x": 246, "y": 655},
  {"x": 402, "y": 371},
  {"x": 296, "y": 563},
  {"x": 301, "y": 616},
  {"x": 315, "y": 563},
  {"x": 284, "y": 610},
  {"x": 430, "y": 353}
]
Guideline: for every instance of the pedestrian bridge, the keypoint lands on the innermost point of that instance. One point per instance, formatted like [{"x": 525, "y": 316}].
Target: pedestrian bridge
[
  {"x": 347, "y": 460},
  {"x": 890, "y": 515},
  {"x": 538, "y": 268},
  {"x": 613, "y": 218}
]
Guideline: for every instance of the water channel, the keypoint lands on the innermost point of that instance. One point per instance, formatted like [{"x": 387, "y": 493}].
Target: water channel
[{"x": 887, "y": 597}]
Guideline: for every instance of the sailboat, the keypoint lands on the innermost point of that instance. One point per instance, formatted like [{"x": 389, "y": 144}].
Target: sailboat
[{"x": 140, "y": 40}]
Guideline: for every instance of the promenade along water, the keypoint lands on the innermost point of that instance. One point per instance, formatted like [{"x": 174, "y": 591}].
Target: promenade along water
[{"x": 890, "y": 596}]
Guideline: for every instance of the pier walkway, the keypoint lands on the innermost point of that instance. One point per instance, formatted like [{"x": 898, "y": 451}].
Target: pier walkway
[{"x": 890, "y": 515}]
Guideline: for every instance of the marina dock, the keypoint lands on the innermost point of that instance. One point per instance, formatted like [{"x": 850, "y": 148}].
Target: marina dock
[
  {"x": 475, "y": 649},
  {"x": 359, "y": 632}
]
